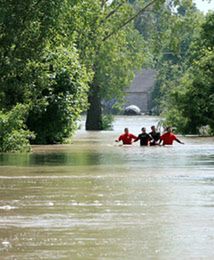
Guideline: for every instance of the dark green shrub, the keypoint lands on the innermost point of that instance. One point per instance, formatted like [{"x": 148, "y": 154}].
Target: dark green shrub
[
  {"x": 107, "y": 121},
  {"x": 53, "y": 115},
  {"x": 14, "y": 135}
]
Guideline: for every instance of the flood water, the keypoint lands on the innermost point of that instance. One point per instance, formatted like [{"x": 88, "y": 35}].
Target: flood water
[{"x": 94, "y": 199}]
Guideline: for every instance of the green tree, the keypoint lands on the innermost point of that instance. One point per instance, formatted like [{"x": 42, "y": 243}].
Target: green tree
[
  {"x": 169, "y": 32},
  {"x": 24, "y": 31},
  {"x": 40, "y": 66},
  {"x": 14, "y": 135},
  {"x": 61, "y": 100},
  {"x": 111, "y": 47},
  {"x": 118, "y": 58},
  {"x": 193, "y": 99}
]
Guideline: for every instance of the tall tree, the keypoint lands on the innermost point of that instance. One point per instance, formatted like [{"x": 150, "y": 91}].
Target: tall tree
[
  {"x": 170, "y": 33},
  {"x": 40, "y": 67},
  {"x": 111, "y": 47},
  {"x": 191, "y": 105},
  {"x": 24, "y": 30}
]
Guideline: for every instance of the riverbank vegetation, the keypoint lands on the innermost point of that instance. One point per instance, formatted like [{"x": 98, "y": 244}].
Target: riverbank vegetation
[
  {"x": 183, "y": 58},
  {"x": 61, "y": 58}
]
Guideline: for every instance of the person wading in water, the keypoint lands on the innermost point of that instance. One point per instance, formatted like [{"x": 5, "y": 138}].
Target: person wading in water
[
  {"x": 144, "y": 138},
  {"x": 169, "y": 137},
  {"x": 155, "y": 136},
  {"x": 127, "y": 137}
]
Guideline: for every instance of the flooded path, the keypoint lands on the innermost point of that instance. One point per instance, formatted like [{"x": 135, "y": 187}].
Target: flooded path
[{"x": 94, "y": 199}]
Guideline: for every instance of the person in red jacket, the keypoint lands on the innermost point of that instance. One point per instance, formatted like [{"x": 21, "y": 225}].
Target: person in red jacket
[
  {"x": 169, "y": 137},
  {"x": 126, "y": 138}
]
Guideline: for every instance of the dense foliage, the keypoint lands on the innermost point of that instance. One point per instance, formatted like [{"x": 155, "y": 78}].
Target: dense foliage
[
  {"x": 191, "y": 102},
  {"x": 14, "y": 135},
  {"x": 59, "y": 58},
  {"x": 53, "y": 53},
  {"x": 181, "y": 43},
  {"x": 61, "y": 100},
  {"x": 112, "y": 51},
  {"x": 41, "y": 68}
]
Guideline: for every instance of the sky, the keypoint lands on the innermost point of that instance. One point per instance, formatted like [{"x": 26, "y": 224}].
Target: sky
[{"x": 205, "y": 5}]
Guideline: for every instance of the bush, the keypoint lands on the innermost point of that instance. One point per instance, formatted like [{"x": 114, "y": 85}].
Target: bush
[
  {"x": 53, "y": 115},
  {"x": 14, "y": 135},
  {"x": 107, "y": 121}
]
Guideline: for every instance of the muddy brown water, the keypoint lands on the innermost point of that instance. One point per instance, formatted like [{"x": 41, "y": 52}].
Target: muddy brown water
[{"x": 94, "y": 199}]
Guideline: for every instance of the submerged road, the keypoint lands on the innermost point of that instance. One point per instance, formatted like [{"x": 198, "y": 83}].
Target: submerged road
[{"x": 94, "y": 199}]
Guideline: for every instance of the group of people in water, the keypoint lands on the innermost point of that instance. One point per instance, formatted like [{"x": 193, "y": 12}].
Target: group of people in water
[{"x": 149, "y": 139}]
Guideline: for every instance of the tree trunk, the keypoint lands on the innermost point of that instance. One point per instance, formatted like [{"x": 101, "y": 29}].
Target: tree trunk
[{"x": 94, "y": 113}]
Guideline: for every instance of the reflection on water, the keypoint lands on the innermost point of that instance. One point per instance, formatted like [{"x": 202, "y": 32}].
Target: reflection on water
[{"x": 94, "y": 199}]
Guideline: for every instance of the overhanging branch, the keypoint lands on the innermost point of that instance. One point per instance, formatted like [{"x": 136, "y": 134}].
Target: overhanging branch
[
  {"x": 130, "y": 19},
  {"x": 112, "y": 12}
]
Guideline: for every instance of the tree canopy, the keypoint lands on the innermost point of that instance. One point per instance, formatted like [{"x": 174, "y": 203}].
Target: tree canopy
[
  {"x": 61, "y": 58},
  {"x": 181, "y": 44},
  {"x": 192, "y": 101}
]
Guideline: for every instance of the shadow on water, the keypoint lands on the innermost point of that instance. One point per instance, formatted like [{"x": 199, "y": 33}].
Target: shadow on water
[
  {"x": 56, "y": 159},
  {"x": 188, "y": 156}
]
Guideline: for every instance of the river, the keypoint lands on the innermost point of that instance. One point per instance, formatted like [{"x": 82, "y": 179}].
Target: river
[{"x": 95, "y": 199}]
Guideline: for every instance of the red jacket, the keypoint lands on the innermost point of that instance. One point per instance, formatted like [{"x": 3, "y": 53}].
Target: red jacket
[
  {"x": 168, "y": 138},
  {"x": 127, "y": 138}
]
